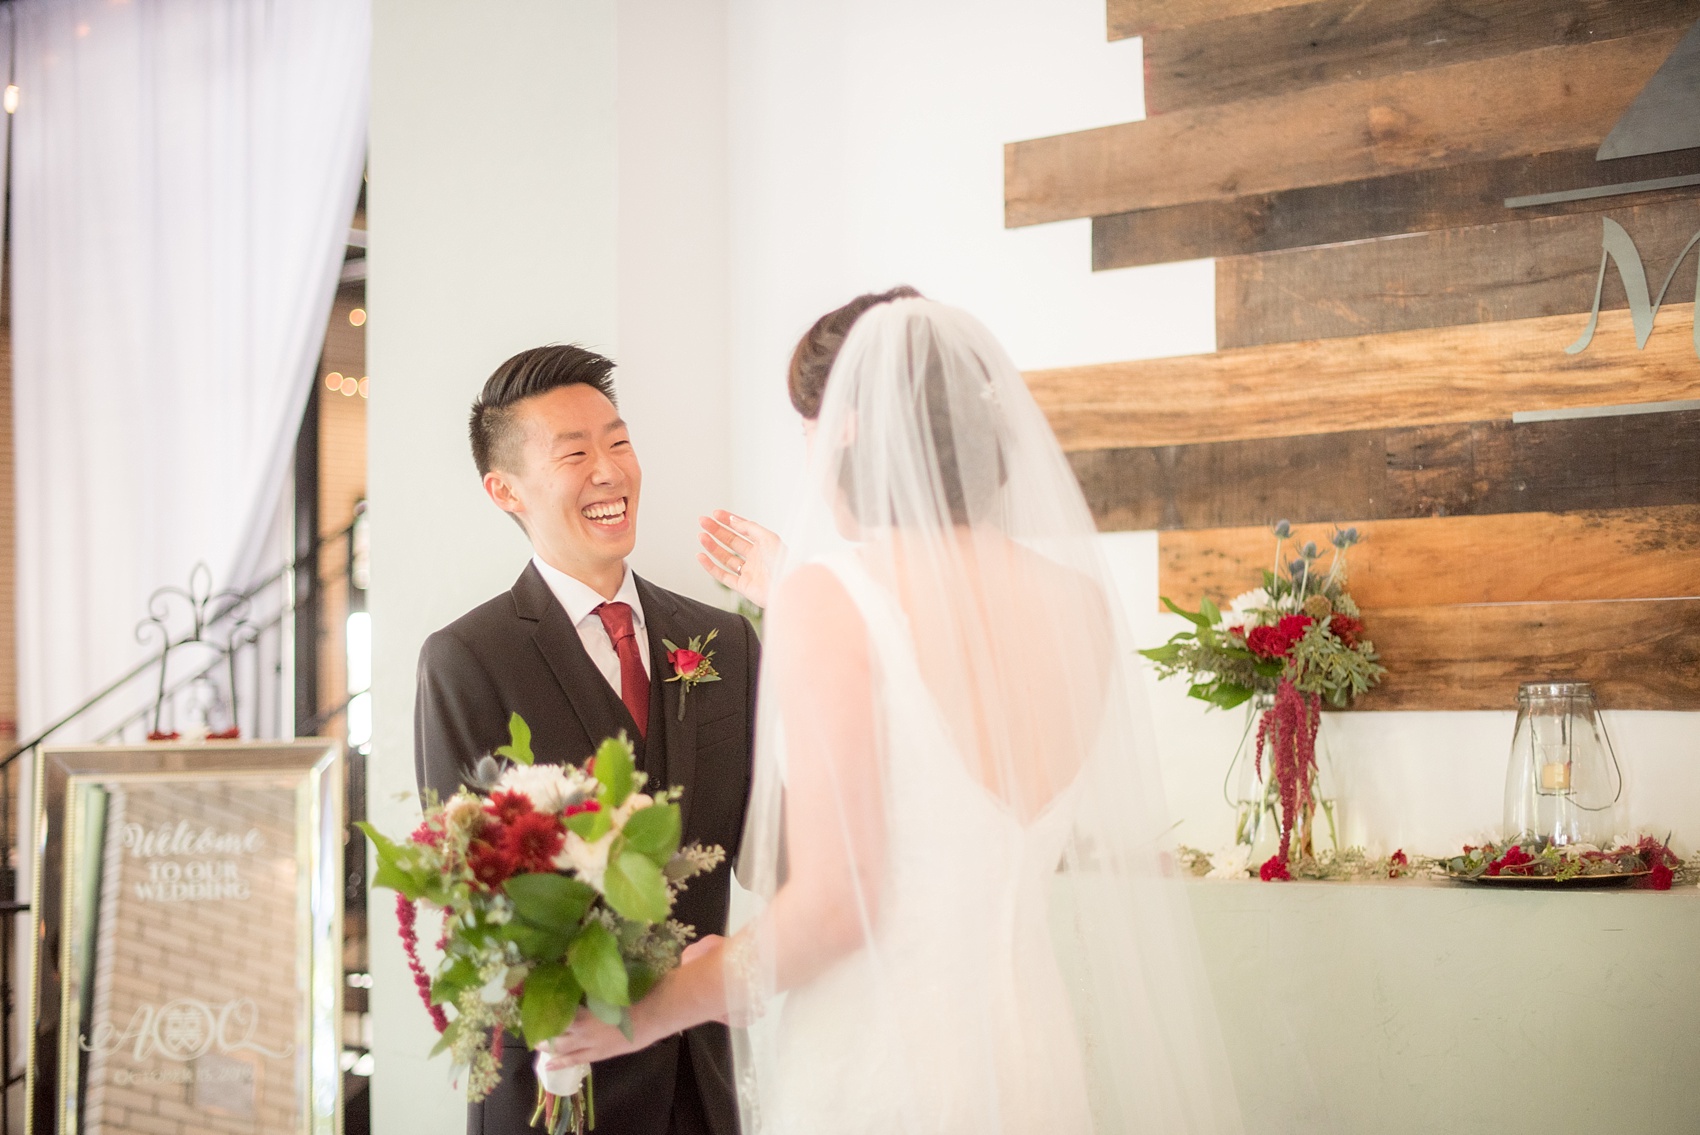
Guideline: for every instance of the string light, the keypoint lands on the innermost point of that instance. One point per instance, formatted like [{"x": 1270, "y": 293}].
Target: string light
[
  {"x": 333, "y": 381},
  {"x": 10, "y": 101},
  {"x": 357, "y": 316},
  {"x": 350, "y": 386},
  {"x": 365, "y": 381}
]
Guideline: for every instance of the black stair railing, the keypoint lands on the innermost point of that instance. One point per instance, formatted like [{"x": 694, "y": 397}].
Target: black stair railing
[{"x": 239, "y": 635}]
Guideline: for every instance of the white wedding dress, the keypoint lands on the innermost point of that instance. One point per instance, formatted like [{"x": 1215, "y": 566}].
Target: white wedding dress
[
  {"x": 963, "y": 925},
  {"x": 1018, "y": 1066}
]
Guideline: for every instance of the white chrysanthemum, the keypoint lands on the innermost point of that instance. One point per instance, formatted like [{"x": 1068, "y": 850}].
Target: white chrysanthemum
[
  {"x": 589, "y": 861},
  {"x": 548, "y": 787},
  {"x": 1230, "y": 863},
  {"x": 1249, "y": 609}
]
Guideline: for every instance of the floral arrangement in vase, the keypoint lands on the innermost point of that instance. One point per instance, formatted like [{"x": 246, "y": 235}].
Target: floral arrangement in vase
[{"x": 1296, "y": 642}]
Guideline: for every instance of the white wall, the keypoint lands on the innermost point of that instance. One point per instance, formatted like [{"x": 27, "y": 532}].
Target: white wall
[
  {"x": 535, "y": 178},
  {"x": 867, "y": 151}
]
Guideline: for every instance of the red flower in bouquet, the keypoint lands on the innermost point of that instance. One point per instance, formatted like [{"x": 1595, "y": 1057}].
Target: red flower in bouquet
[
  {"x": 491, "y": 863},
  {"x": 1278, "y": 641},
  {"x": 1397, "y": 863},
  {"x": 1347, "y": 629},
  {"x": 1660, "y": 879},
  {"x": 1274, "y": 869},
  {"x": 532, "y": 841},
  {"x": 506, "y": 807}
]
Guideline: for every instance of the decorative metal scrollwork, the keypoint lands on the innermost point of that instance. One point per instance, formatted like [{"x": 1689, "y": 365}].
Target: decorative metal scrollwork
[{"x": 217, "y": 620}]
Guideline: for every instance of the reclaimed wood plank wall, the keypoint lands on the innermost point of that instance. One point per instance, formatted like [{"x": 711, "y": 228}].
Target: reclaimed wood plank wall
[{"x": 1383, "y": 311}]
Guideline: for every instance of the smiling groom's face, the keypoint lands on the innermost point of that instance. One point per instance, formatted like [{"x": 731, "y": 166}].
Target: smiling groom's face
[{"x": 577, "y": 483}]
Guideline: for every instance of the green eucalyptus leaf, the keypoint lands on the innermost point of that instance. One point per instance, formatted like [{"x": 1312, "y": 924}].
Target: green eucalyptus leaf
[
  {"x": 1196, "y": 620},
  {"x": 634, "y": 887},
  {"x": 616, "y": 769},
  {"x": 1230, "y": 694},
  {"x": 1211, "y": 612},
  {"x": 518, "y": 748},
  {"x": 654, "y": 831},
  {"x": 536, "y": 943},
  {"x": 550, "y": 901},
  {"x": 603, "y": 1011},
  {"x": 549, "y": 1002},
  {"x": 455, "y": 980},
  {"x": 590, "y": 826},
  {"x": 595, "y": 958},
  {"x": 450, "y": 1035}
]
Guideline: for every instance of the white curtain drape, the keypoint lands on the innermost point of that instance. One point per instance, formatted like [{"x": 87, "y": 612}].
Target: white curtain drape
[{"x": 184, "y": 173}]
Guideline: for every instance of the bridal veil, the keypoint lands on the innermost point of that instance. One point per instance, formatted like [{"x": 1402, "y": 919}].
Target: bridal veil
[{"x": 1008, "y": 725}]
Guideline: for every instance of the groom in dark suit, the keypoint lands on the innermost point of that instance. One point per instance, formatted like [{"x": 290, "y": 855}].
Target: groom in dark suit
[{"x": 575, "y": 647}]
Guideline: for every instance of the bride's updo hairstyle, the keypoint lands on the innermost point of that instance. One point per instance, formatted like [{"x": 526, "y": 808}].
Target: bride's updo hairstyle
[
  {"x": 817, "y": 350},
  {"x": 925, "y": 388}
]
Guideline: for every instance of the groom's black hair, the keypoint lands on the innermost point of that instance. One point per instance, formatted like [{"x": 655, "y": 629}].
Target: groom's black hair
[{"x": 526, "y": 375}]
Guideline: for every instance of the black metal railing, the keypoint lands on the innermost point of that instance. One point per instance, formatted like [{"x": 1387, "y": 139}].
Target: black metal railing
[{"x": 233, "y": 667}]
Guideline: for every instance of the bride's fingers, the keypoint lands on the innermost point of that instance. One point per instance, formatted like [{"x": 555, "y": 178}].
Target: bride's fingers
[
  {"x": 716, "y": 571},
  {"x": 729, "y": 531}
]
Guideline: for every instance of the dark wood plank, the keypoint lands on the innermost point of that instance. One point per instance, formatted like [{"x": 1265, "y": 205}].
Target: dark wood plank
[
  {"x": 1535, "y": 102},
  {"x": 1638, "y": 653},
  {"x": 1516, "y": 270},
  {"x": 1475, "y": 372},
  {"x": 1454, "y": 469},
  {"x": 1458, "y": 196},
  {"x": 1273, "y": 52},
  {"x": 1651, "y": 553},
  {"x": 1127, "y": 18}
]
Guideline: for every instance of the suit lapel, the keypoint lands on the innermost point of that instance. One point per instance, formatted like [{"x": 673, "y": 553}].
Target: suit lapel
[
  {"x": 665, "y": 621},
  {"x": 598, "y": 708}
]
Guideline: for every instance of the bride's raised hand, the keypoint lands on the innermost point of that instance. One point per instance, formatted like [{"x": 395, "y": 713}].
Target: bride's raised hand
[{"x": 739, "y": 553}]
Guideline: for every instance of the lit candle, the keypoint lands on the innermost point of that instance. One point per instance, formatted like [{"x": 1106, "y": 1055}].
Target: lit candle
[{"x": 1555, "y": 777}]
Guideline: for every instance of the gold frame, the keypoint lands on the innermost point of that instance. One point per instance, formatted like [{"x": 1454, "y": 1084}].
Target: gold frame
[{"x": 61, "y": 777}]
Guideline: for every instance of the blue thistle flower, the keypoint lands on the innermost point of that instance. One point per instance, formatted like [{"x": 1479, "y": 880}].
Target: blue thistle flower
[{"x": 1283, "y": 529}]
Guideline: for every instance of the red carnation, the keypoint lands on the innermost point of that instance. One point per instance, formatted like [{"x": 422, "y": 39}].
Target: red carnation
[
  {"x": 532, "y": 841},
  {"x": 1508, "y": 863},
  {"x": 1274, "y": 869},
  {"x": 1660, "y": 879},
  {"x": 491, "y": 863},
  {"x": 1278, "y": 641},
  {"x": 507, "y": 807},
  {"x": 686, "y": 663},
  {"x": 1347, "y": 629}
]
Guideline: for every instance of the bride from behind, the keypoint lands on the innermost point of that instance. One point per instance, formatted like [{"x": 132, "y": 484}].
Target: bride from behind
[{"x": 964, "y": 927}]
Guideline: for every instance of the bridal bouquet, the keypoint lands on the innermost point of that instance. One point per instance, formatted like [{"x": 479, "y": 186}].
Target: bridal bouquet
[
  {"x": 556, "y": 890},
  {"x": 1299, "y": 641}
]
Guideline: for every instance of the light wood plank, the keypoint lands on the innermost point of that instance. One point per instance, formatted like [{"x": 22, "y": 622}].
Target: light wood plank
[
  {"x": 1651, "y": 553},
  {"x": 1127, "y": 18},
  {"x": 1272, "y": 52},
  {"x": 1638, "y": 653},
  {"x": 1559, "y": 98},
  {"x": 1452, "y": 469},
  {"x": 1454, "y": 374},
  {"x": 1520, "y": 269},
  {"x": 1459, "y": 196}
]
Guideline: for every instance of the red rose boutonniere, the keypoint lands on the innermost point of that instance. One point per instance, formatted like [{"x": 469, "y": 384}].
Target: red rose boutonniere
[{"x": 692, "y": 664}]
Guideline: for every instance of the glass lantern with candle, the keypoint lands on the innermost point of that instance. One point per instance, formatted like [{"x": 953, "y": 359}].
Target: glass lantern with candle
[{"x": 1563, "y": 783}]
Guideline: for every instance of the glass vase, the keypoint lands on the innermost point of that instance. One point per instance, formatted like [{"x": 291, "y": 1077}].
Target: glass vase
[{"x": 1256, "y": 797}]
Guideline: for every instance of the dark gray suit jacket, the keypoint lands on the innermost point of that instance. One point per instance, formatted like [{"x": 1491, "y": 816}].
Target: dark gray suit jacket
[{"x": 520, "y": 653}]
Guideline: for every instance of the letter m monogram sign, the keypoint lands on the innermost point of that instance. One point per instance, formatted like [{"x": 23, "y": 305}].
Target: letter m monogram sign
[{"x": 1619, "y": 249}]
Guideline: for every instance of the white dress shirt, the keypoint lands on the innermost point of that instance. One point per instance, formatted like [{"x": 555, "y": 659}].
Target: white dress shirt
[{"x": 580, "y": 601}]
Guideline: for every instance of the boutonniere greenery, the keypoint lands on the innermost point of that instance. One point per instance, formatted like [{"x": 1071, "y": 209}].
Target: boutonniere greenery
[{"x": 692, "y": 665}]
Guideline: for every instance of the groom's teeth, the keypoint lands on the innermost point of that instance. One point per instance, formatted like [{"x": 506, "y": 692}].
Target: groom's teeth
[{"x": 611, "y": 512}]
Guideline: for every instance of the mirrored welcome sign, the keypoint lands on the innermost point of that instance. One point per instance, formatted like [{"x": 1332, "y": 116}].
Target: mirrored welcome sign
[{"x": 188, "y": 934}]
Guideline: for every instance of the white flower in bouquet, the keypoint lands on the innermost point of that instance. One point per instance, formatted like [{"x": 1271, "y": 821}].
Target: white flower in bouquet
[
  {"x": 550, "y": 788},
  {"x": 589, "y": 861},
  {"x": 1249, "y": 609},
  {"x": 633, "y": 803}
]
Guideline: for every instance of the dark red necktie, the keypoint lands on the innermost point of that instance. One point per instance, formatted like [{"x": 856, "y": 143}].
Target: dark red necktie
[{"x": 634, "y": 683}]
